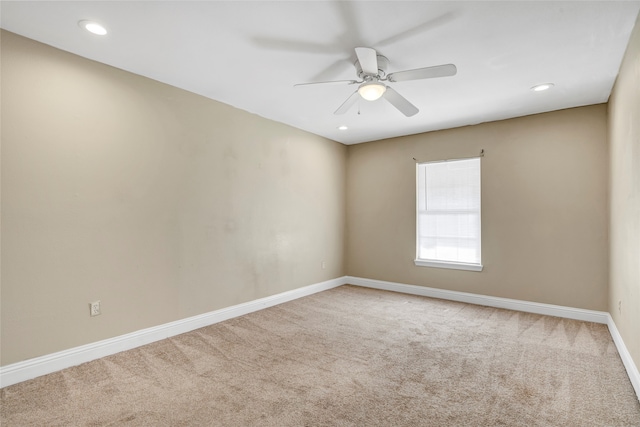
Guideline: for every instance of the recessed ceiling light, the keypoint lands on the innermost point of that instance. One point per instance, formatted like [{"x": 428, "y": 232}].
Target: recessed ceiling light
[
  {"x": 542, "y": 87},
  {"x": 343, "y": 127},
  {"x": 93, "y": 27}
]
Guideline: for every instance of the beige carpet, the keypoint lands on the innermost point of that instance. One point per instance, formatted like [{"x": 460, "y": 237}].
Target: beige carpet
[{"x": 348, "y": 357}]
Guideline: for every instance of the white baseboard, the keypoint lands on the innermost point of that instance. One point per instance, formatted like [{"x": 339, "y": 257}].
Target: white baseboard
[
  {"x": 489, "y": 301},
  {"x": 632, "y": 370},
  {"x": 32, "y": 368}
]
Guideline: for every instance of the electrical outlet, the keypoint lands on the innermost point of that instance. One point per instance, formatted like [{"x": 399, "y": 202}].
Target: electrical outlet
[
  {"x": 94, "y": 308},
  {"x": 620, "y": 307},
  {"x": 324, "y": 265}
]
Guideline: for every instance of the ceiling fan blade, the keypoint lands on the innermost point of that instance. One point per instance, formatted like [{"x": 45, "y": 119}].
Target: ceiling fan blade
[
  {"x": 349, "y": 82},
  {"x": 335, "y": 70},
  {"x": 400, "y": 102},
  {"x": 346, "y": 105},
  {"x": 294, "y": 45},
  {"x": 350, "y": 32},
  {"x": 423, "y": 73},
  {"x": 418, "y": 29},
  {"x": 368, "y": 59}
]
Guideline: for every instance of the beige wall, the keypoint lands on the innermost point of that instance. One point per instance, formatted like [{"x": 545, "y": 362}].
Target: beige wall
[
  {"x": 544, "y": 208},
  {"x": 158, "y": 202},
  {"x": 624, "y": 140},
  {"x": 164, "y": 204}
]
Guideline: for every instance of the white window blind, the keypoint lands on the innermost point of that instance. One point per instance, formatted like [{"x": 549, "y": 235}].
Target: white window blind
[{"x": 448, "y": 214}]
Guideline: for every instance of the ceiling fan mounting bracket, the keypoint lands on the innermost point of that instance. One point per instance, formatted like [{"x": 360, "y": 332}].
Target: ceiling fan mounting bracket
[{"x": 383, "y": 64}]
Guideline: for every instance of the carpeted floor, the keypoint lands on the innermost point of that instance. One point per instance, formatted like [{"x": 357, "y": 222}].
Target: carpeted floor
[{"x": 348, "y": 357}]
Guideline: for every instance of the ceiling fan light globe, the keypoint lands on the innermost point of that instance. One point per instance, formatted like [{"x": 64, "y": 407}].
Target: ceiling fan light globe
[{"x": 371, "y": 90}]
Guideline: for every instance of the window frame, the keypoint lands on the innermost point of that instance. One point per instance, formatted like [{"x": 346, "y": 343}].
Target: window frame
[{"x": 423, "y": 262}]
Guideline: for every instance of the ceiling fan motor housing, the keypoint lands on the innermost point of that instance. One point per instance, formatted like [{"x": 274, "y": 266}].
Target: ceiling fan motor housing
[
  {"x": 371, "y": 86},
  {"x": 383, "y": 64}
]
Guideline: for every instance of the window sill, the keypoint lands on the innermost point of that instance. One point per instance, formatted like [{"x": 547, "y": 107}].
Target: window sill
[{"x": 448, "y": 264}]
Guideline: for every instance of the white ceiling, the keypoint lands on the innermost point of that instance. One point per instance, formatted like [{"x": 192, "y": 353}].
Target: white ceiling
[{"x": 250, "y": 54}]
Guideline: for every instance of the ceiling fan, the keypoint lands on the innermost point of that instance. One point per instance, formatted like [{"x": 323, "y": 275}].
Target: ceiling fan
[{"x": 371, "y": 69}]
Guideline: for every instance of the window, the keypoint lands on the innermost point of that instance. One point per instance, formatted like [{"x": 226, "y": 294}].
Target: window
[{"x": 448, "y": 214}]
